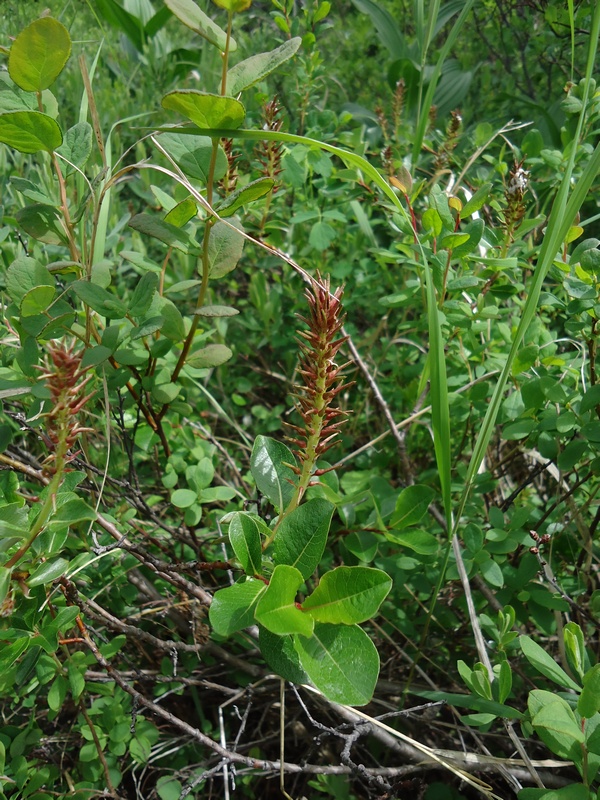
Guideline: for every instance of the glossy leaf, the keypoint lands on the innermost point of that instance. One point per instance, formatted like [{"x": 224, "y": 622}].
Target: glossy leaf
[
  {"x": 276, "y": 610},
  {"x": 245, "y": 540},
  {"x": 206, "y": 110},
  {"x": 341, "y": 661},
  {"x": 545, "y": 664},
  {"x": 255, "y": 68},
  {"x": 39, "y": 54},
  {"x": 29, "y": 131},
  {"x": 193, "y": 155},
  {"x": 213, "y": 355},
  {"x": 252, "y": 191},
  {"x": 269, "y": 466},
  {"x": 301, "y": 536},
  {"x": 182, "y": 213},
  {"x": 348, "y": 595},
  {"x": 477, "y": 201},
  {"x": 232, "y": 608},
  {"x": 281, "y": 655},
  {"x": 225, "y": 248},
  {"x": 193, "y": 17},
  {"x": 48, "y": 571},
  {"x": 411, "y": 506}
]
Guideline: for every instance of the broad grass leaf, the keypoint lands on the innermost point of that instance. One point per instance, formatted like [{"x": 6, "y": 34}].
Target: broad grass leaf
[
  {"x": 276, "y": 610},
  {"x": 206, "y": 110},
  {"x": 348, "y": 595},
  {"x": 341, "y": 661},
  {"x": 545, "y": 664},
  {"x": 244, "y": 537},
  {"x": 301, "y": 536},
  {"x": 193, "y": 17},
  {"x": 269, "y": 466},
  {"x": 232, "y": 608},
  {"x": 39, "y": 54},
  {"x": 255, "y": 68}
]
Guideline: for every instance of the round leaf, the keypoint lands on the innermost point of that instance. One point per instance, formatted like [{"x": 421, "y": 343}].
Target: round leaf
[
  {"x": 206, "y": 110},
  {"x": 29, "y": 131},
  {"x": 38, "y": 54}
]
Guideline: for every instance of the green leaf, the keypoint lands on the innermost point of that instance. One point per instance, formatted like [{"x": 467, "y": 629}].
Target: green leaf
[
  {"x": 48, "y": 571},
  {"x": 98, "y": 299},
  {"x": 255, "y": 68},
  {"x": 504, "y": 681},
  {"x": 432, "y": 221},
  {"x": 477, "y": 201},
  {"x": 193, "y": 155},
  {"x": 245, "y": 540},
  {"x": 205, "y": 110},
  {"x": 11, "y": 652},
  {"x": 77, "y": 145},
  {"x": 590, "y": 399},
  {"x": 41, "y": 222},
  {"x": 545, "y": 664},
  {"x": 5, "y": 578},
  {"x": 184, "y": 498},
  {"x": 233, "y": 5},
  {"x": 182, "y": 213},
  {"x": 213, "y": 355},
  {"x": 96, "y": 355},
  {"x": 525, "y": 359},
  {"x": 76, "y": 681},
  {"x": 73, "y": 511},
  {"x": 25, "y": 274},
  {"x": 168, "y": 788},
  {"x": 193, "y": 17},
  {"x": 348, "y": 595},
  {"x": 321, "y": 236},
  {"x": 232, "y": 609},
  {"x": 57, "y": 693},
  {"x": 143, "y": 294},
  {"x": 37, "y": 300},
  {"x": 171, "y": 235},
  {"x": 491, "y": 572},
  {"x": 281, "y": 655},
  {"x": 252, "y": 191},
  {"x": 217, "y": 311},
  {"x": 301, "y": 536},
  {"x": 269, "y": 466},
  {"x": 575, "y": 649},
  {"x": 421, "y": 542},
  {"x": 341, "y": 661},
  {"x": 39, "y": 54},
  {"x": 469, "y": 701},
  {"x": 411, "y": 506},
  {"x": 29, "y": 131},
  {"x": 555, "y": 724},
  {"x": 589, "y": 700},
  {"x": 276, "y": 610},
  {"x": 225, "y": 248}
]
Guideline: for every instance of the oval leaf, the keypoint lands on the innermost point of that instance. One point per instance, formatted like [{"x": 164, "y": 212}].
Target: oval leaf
[
  {"x": 281, "y": 655},
  {"x": 213, "y": 355},
  {"x": 225, "y": 248},
  {"x": 206, "y": 110},
  {"x": 411, "y": 506},
  {"x": 38, "y": 54},
  {"x": 245, "y": 540},
  {"x": 193, "y": 155},
  {"x": 99, "y": 299},
  {"x": 301, "y": 537},
  {"x": 232, "y": 609},
  {"x": 341, "y": 661},
  {"x": 545, "y": 664},
  {"x": 269, "y": 464},
  {"x": 29, "y": 131},
  {"x": 48, "y": 571},
  {"x": 193, "y": 17},
  {"x": 255, "y": 68},
  {"x": 254, "y": 190},
  {"x": 348, "y": 595},
  {"x": 277, "y": 610},
  {"x": 216, "y": 311}
]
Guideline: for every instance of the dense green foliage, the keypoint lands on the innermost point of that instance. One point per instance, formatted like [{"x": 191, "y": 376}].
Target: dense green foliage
[{"x": 237, "y": 499}]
